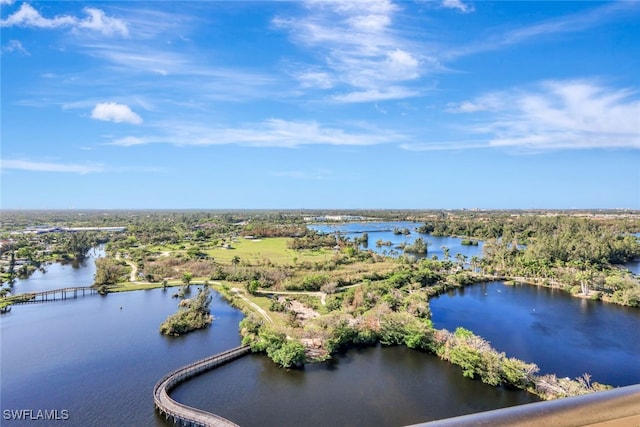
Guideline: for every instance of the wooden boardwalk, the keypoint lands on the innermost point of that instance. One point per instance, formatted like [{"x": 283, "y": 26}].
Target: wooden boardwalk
[
  {"x": 186, "y": 415},
  {"x": 52, "y": 295}
]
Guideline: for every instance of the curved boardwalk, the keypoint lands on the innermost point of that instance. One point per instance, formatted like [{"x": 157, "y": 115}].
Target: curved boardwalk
[{"x": 183, "y": 414}]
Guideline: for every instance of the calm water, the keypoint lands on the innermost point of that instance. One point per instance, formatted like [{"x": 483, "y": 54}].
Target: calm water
[
  {"x": 99, "y": 357},
  {"x": 633, "y": 266},
  {"x": 561, "y": 334},
  {"x": 57, "y": 276},
  {"x": 390, "y": 386},
  {"x": 99, "y": 362},
  {"x": 384, "y": 231}
]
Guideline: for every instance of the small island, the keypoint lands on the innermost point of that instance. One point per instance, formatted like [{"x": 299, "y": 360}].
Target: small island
[{"x": 192, "y": 314}]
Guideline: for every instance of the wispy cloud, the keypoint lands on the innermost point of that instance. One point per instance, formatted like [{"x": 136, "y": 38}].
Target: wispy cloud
[
  {"x": 454, "y": 145},
  {"x": 458, "y": 4},
  {"x": 270, "y": 133},
  {"x": 372, "y": 95},
  {"x": 34, "y": 166},
  {"x": 15, "y": 46},
  {"x": 572, "y": 23},
  {"x": 96, "y": 20},
  {"x": 113, "y": 112},
  {"x": 578, "y": 114},
  {"x": 357, "y": 50}
]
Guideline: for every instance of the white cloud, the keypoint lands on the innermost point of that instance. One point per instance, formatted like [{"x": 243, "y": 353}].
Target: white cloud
[
  {"x": 96, "y": 20},
  {"x": 357, "y": 48},
  {"x": 457, "y": 4},
  {"x": 27, "y": 16},
  {"x": 7, "y": 2},
  {"x": 32, "y": 166},
  {"x": 488, "y": 102},
  {"x": 113, "y": 112},
  {"x": 270, "y": 133},
  {"x": 129, "y": 141},
  {"x": 373, "y": 95},
  {"x": 315, "y": 79},
  {"x": 15, "y": 46},
  {"x": 561, "y": 115},
  {"x": 456, "y": 145}
]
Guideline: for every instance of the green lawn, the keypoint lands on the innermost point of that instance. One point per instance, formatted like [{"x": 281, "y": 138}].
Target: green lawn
[{"x": 274, "y": 250}]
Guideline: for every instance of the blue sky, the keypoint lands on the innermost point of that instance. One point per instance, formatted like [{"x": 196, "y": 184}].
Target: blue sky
[{"x": 319, "y": 104}]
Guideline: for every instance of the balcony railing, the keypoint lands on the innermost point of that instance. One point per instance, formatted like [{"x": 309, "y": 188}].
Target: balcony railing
[{"x": 619, "y": 407}]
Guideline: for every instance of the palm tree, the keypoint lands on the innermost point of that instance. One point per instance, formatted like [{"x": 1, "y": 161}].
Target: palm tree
[
  {"x": 474, "y": 263},
  {"x": 235, "y": 261},
  {"x": 461, "y": 260},
  {"x": 446, "y": 253}
]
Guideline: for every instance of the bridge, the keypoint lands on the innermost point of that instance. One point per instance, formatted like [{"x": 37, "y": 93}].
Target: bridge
[
  {"x": 186, "y": 415},
  {"x": 52, "y": 295},
  {"x": 618, "y": 407}
]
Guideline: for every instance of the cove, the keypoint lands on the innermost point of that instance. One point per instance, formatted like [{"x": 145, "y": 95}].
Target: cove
[
  {"x": 562, "y": 334},
  {"x": 375, "y": 386}
]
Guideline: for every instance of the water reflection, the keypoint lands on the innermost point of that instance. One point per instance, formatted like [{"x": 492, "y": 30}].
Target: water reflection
[{"x": 57, "y": 275}]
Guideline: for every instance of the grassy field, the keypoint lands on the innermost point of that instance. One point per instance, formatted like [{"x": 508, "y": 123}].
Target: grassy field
[
  {"x": 274, "y": 250},
  {"x": 258, "y": 251}
]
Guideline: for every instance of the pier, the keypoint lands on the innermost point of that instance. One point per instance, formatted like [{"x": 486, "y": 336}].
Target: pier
[{"x": 186, "y": 415}]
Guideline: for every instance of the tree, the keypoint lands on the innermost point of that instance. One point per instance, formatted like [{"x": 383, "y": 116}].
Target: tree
[
  {"x": 446, "y": 253},
  {"x": 461, "y": 259},
  {"x": 108, "y": 272},
  {"x": 475, "y": 261},
  {"x": 235, "y": 261},
  {"x": 418, "y": 247},
  {"x": 186, "y": 278},
  {"x": 79, "y": 245},
  {"x": 584, "y": 277},
  {"x": 192, "y": 314},
  {"x": 252, "y": 286}
]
